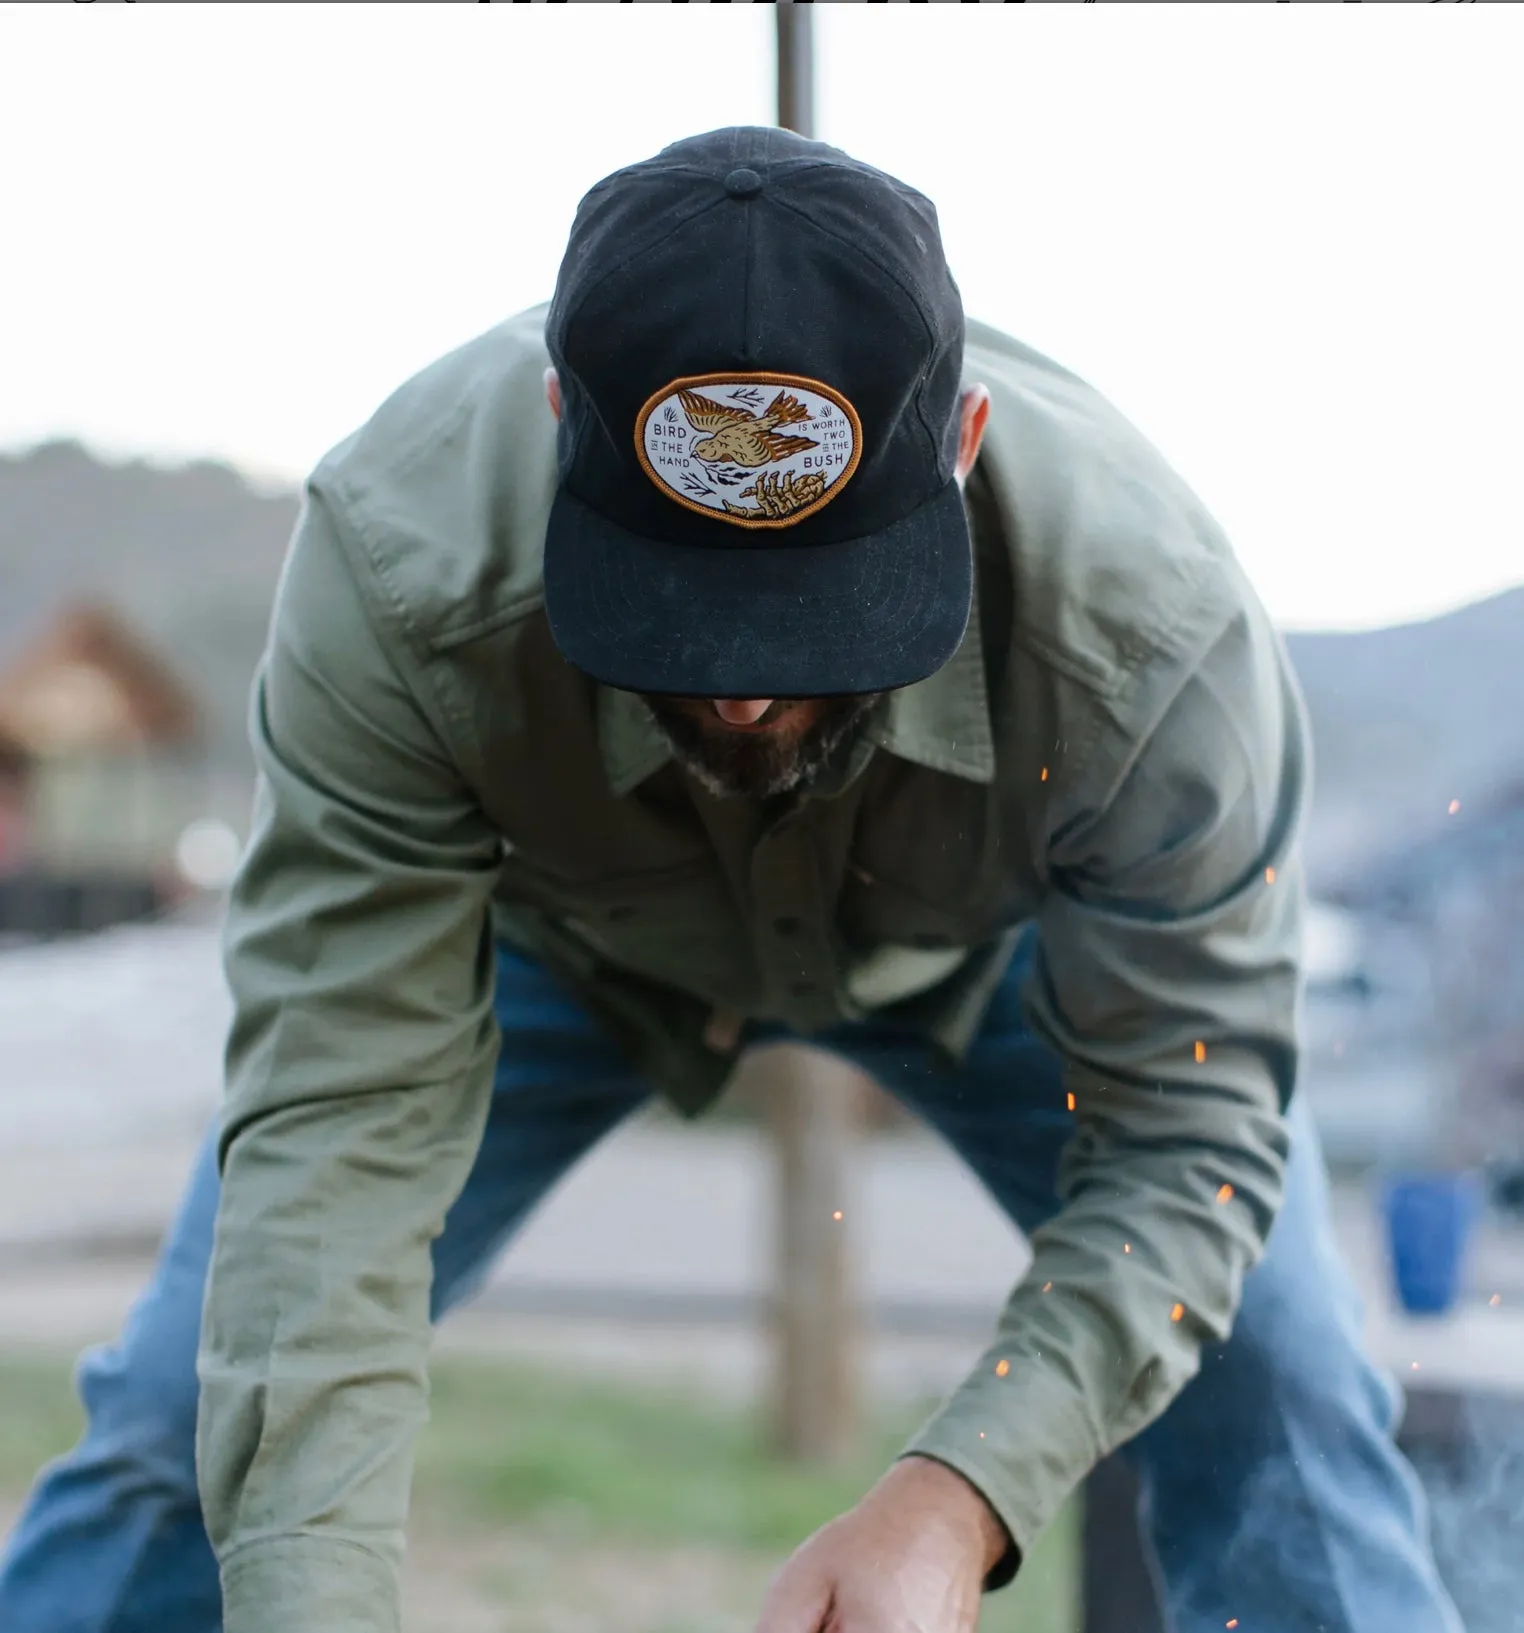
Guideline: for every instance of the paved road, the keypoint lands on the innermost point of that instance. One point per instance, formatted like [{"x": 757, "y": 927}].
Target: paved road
[{"x": 111, "y": 1051}]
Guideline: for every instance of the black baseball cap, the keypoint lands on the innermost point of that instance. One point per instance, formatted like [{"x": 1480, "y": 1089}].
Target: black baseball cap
[{"x": 760, "y": 350}]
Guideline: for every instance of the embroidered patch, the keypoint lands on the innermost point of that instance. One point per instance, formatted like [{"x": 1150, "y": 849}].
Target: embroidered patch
[{"x": 757, "y": 450}]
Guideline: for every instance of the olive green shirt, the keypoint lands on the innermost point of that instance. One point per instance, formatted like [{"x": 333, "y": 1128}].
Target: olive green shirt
[{"x": 1117, "y": 753}]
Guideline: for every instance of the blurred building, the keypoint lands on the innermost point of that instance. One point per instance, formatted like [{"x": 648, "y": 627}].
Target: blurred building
[
  {"x": 15, "y": 774},
  {"x": 102, "y": 766},
  {"x": 90, "y": 686}
]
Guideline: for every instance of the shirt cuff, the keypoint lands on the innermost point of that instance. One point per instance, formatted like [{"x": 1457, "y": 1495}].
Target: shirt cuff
[
  {"x": 1023, "y": 1438},
  {"x": 309, "y": 1585}
]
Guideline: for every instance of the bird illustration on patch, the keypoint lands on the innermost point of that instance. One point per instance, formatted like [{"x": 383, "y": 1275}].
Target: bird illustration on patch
[
  {"x": 734, "y": 445},
  {"x": 734, "y": 434}
]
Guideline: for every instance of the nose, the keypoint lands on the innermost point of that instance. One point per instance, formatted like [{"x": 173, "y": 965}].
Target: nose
[{"x": 747, "y": 713}]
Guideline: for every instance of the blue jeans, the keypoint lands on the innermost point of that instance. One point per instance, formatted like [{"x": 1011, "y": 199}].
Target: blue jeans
[{"x": 1272, "y": 1481}]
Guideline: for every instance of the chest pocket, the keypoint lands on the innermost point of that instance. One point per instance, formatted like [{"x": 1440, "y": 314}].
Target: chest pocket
[
  {"x": 675, "y": 923},
  {"x": 876, "y": 911}
]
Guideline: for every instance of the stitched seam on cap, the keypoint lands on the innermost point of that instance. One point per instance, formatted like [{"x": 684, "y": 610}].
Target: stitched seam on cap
[
  {"x": 646, "y": 249},
  {"x": 910, "y": 296}
]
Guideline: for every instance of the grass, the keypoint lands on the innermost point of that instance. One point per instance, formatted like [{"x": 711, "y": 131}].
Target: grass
[
  {"x": 39, "y": 1417},
  {"x": 562, "y": 1503}
]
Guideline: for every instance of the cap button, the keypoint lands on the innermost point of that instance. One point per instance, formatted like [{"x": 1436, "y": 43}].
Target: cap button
[{"x": 743, "y": 183}]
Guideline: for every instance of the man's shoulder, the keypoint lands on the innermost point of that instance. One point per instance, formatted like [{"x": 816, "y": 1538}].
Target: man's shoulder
[
  {"x": 1116, "y": 563},
  {"x": 444, "y": 491}
]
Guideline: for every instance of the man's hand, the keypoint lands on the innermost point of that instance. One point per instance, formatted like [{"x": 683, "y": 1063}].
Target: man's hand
[{"x": 911, "y": 1557}]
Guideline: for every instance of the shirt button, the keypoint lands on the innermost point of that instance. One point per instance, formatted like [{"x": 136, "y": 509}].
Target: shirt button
[{"x": 788, "y": 925}]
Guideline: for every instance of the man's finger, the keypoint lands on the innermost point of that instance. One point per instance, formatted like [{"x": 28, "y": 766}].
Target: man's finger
[{"x": 797, "y": 1602}]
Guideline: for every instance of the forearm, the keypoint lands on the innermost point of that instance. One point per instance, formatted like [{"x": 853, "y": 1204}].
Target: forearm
[
  {"x": 1166, "y": 979},
  {"x": 314, "y": 1350},
  {"x": 1141, "y": 1267}
]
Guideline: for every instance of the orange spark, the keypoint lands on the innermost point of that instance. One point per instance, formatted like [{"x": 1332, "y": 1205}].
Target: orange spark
[
  {"x": 837, "y": 1214},
  {"x": 1495, "y": 1300},
  {"x": 1044, "y": 776},
  {"x": 981, "y": 1434},
  {"x": 1071, "y": 1102},
  {"x": 1177, "y": 1312},
  {"x": 1225, "y": 1193},
  {"x": 1047, "y": 1287},
  {"x": 1234, "y": 1622},
  {"x": 1200, "y": 1051},
  {"x": 1454, "y": 806},
  {"x": 1127, "y": 1247},
  {"x": 1001, "y": 1368},
  {"x": 1269, "y": 876}
]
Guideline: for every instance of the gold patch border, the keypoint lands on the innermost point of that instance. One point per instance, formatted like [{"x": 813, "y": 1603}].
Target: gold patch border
[{"x": 729, "y": 377}]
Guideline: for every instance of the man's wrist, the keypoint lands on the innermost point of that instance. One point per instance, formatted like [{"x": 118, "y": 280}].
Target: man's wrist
[{"x": 965, "y": 1505}]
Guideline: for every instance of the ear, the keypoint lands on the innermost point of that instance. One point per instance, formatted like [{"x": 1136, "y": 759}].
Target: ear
[
  {"x": 976, "y": 415},
  {"x": 553, "y": 391}
]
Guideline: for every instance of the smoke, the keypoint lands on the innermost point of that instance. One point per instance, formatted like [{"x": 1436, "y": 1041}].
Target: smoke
[{"x": 1476, "y": 1505}]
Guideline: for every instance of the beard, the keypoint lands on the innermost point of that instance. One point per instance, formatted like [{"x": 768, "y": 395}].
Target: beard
[{"x": 742, "y": 765}]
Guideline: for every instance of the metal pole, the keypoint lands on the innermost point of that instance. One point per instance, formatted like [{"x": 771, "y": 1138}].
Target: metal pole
[
  {"x": 815, "y": 1112},
  {"x": 796, "y": 68}
]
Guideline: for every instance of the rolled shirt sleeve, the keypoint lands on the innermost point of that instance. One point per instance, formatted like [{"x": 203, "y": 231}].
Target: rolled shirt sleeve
[
  {"x": 359, "y": 1070},
  {"x": 1167, "y": 979}
]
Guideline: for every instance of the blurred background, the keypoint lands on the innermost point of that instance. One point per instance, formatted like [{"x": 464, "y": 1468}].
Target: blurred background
[{"x": 1282, "y": 246}]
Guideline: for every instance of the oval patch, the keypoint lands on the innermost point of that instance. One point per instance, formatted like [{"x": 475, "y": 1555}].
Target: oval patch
[{"x": 757, "y": 450}]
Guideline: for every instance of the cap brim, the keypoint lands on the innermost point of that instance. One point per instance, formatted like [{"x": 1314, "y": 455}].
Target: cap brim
[{"x": 819, "y": 620}]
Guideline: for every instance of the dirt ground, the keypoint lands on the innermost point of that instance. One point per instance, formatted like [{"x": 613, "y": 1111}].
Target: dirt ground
[{"x": 550, "y": 1584}]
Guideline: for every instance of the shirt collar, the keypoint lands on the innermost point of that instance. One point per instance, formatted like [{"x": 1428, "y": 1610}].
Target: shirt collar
[
  {"x": 632, "y": 746},
  {"x": 943, "y": 722}
]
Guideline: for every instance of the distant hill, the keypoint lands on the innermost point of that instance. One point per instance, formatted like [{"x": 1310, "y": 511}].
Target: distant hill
[
  {"x": 1405, "y": 719},
  {"x": 1408, "y": 718}
]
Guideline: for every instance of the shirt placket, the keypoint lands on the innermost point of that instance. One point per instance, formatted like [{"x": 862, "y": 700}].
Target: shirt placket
[{"x": 793, "y": 931}]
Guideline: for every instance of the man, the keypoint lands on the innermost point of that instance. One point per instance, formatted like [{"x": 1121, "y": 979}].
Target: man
[{"x": 755, "y": 689}]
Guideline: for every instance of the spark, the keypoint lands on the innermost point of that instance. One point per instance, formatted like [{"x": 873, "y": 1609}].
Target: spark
[
  {"x": 1225, "y": 1193},
  {"x": 1177, "y": 1312},
  {"x": 837, "y": 1215},
  {"x": 1269, "y": 876},
  {"x": 1454, "y": 806},
  {"x": 1200, "y": 1051},
  {"x": 1234, "y": 1622},
  {"x": 1044, "y": 776},
  {"x": 981, "y": 1434},
  {"x": 1495, "y": 1300},
  {"x": 1415, "y": 1366},
  {"x": 1127, "y": 1247},
  {"x": 1047, "y": 1287},
  {"x": 1071, "y": 1102},
  {"x": 1001, "y": 1368}
]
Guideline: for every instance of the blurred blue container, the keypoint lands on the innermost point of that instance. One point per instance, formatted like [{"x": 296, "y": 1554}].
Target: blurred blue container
[{"x": 1430, "y": 1220}]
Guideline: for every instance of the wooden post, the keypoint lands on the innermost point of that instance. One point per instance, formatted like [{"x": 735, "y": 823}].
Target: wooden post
[{"x": 814, "y": 1103}]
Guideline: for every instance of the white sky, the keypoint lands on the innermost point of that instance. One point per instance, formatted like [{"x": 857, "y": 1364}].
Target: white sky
[{"x": 1287, "y": 244}]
